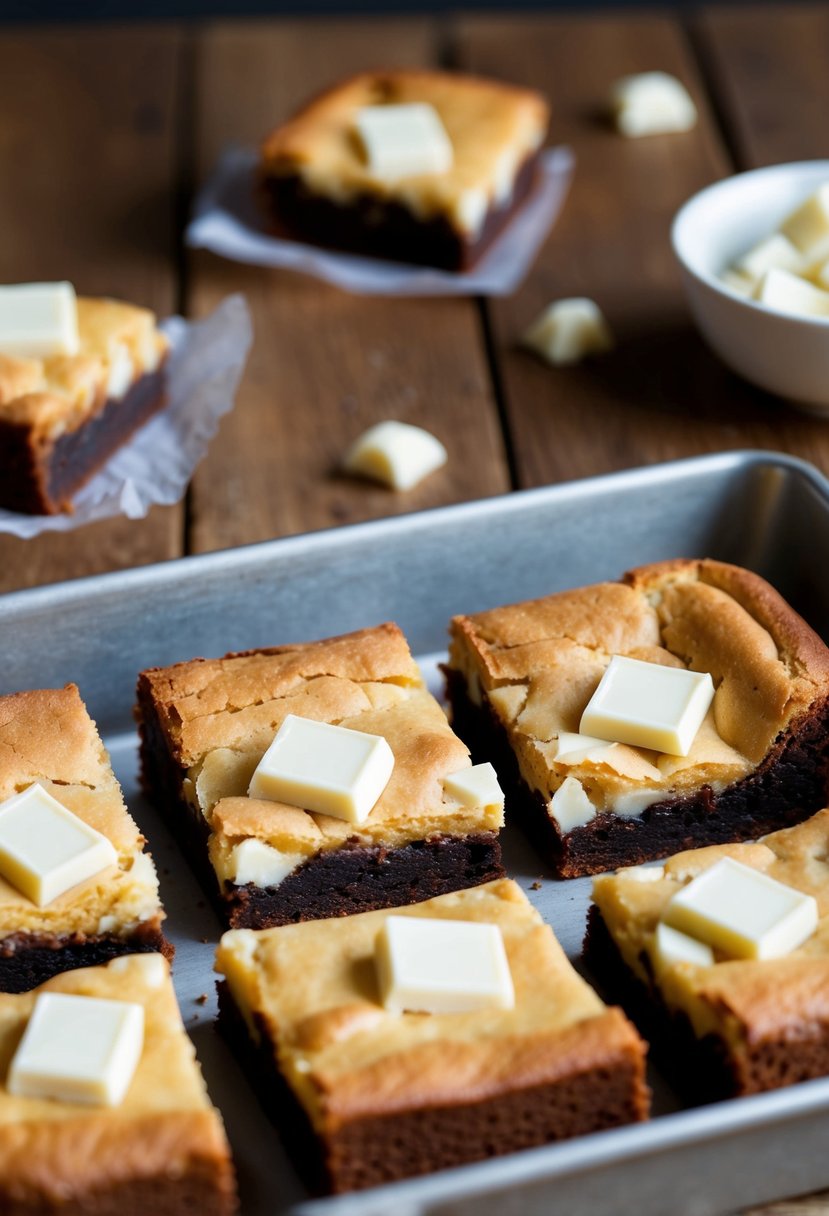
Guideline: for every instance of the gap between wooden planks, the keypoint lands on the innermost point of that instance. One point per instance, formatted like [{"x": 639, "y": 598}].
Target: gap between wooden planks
[
  {"x": 88, "y": 141},
  {"x": 661, "y": 394},
  {"x": 326, "y": 364}
]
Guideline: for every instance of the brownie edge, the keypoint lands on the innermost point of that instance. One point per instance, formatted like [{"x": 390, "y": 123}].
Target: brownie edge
[
  {"x": 27, "y": 960},
  {"x": 789, "y": 785}
]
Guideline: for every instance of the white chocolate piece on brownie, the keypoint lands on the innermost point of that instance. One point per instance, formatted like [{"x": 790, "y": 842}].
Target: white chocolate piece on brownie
[
  {"x": 78, "y": 1049},
  {"x": 38, "y": 320},
  {"x": 651, "y": 103},
  {"x": 475, "y": 786},
  {"x": 743, "y": 913},
  {"x": 404, "y": 140},
  {"x": 807, "y": 227},
  {"x": 325, "y": 768},
  {"x": 397, "y": 454},
  {"x": 671, "y": 946},
  {"x": 568, "y": 331},
  {"x": 791, "y": 294},
  {"x": 570, "y": 806},
  {"x": 438, "y": 966},
  {"x": 45, "y": 849},
  {"x": 649, "y": 705}
]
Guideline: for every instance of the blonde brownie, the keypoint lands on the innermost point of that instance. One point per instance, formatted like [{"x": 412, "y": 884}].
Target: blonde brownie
[
  {"x": 47, "y": 737},
  {"x": 162, "y": 1150},
  {"x": 320, "y": 187},
  {"x": 519, "y": 676},
  {"x": 737, "y": 1026},
  {"x": 62, "y": 417},
  {"x": 205, "y": 726},
  {"x": 385, "y": 1096}
]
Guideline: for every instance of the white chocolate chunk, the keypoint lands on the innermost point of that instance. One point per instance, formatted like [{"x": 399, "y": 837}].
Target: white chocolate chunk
[
  {"x": 570, "y": 805},
  {"x": 38, "y": 320},
  {"x": 475, "y": 786},
  {"x": 774, "y": 252},
  {"x": 397, "y": 454},
  {"x": 470, "y": 210},
  {"x": 648, "y": 705},
  {"x": 568, "y": 331},
  {"x": 572, "y": 745},
  {"x": 808, "y": 226},
  {"x": 260, "y": 863},
  {"x": 45, "y": 849},
  {"x": 643, "y": 873},
  {"x": 738, "y": 283},
  {"x": 651, "y": 103},
  {"x": 788, "y": 293},
  {"x": 328, "y": 769},
  {"x": 671, "y": 946},
  {"x": 743, "y": 912},
  {"x": 426, "y": 965},
  {"x": 821, "y": 274},
  {"x": 152, "y": 967},
  {"x": 121, "y": 370},
  {"x": 78, "y": 1049},
  {"x": 404, "y": 140}
]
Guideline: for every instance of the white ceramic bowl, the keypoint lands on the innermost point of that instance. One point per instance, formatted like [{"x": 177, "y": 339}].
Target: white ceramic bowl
[{"x": 783, "y": 354}]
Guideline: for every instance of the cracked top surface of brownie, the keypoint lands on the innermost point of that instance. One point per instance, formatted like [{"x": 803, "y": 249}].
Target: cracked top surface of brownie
[
  {"x": 493, "y": 128},
  {"x": 164, "y": 1123},
  {"x": 47, "y": 736},
  {"x": 345, "y": 1056},
  {"x": 538, "y": 664},
  {"x": 119, "y": 343},
  {"x": 735, "y": 998},
  {"x": 219, "y": 716}
]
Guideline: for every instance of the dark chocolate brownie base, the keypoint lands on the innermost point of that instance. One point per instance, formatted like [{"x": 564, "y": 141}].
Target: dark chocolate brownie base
[
  {"x": 386, "y": 1148},
  {"x": 40, "y": 479},
  {"x": 206, "y": 1189},
  {"x": 703, "y": 1070},
  {"x": 354, "y": 879},
  {"x": 336, "y": 883},
  {"x": 369, "y": 226},
  {"x": 29, "y": 959},
  {"x": 789, "y": 785}
]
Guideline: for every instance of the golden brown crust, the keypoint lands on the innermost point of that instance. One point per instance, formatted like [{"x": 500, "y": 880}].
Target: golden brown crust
[
  {"x": 219, "y": 716},
  {"x": 58, "y": 393},
  {"x": 493, "y": 128},
  {"x": 743, "y": 1001},
  {"x": 538, "y": 664},
  {"x": 346, "y": 1058},
  {"x": 58, "y": 1151},
  {"x": 47, "y": 736}
]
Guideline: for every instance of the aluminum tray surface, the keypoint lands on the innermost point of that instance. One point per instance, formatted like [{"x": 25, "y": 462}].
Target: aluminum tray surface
[{"x": 768, "y": 512}]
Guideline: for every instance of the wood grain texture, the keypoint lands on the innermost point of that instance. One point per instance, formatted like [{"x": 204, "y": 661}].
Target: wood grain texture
[
  {"x": 661, "y": 394},
  {"x": 325, "y": 364},
  {"x": 88, "y": 126}
]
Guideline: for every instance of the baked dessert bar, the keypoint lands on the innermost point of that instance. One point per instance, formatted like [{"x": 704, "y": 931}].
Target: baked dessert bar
[
  {"x": 722, "y": 1025},
  {"x": 445, "y": 193},
  {"x": 50, "y": 752},
  {"x": 160, "y": 1148},
  {"x": 206, "y": 726},
  {"x": 520, "y": 679},
  {"x": 63, "y": 415},
  {"x": 366, "y": 1095}
]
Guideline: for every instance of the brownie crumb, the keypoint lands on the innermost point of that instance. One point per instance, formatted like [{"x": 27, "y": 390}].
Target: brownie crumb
[
  {"x": 535, "y": 886},
  {"x": 202, "y": 1000}
]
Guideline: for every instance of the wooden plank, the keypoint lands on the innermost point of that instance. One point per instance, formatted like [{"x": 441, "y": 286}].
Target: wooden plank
[
  {"x": 88, "y": 133},
  {"x": 661, "y": 394},
  {"x": 325, "y": 364},
  {"x": 767, "y": 66}
]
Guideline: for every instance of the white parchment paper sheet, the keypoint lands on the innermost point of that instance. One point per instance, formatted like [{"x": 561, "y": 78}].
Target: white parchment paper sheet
[
  {"x": 227, "y": 221},
  {"x": 204, "y": 369}
]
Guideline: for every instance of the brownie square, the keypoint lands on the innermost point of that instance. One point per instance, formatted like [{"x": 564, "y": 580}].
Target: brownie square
[
  {"x": 319, "y": 188},
  {"x": 365, "y": 1097},
  {"x": 62, "y": 417},
  {"x": 47, "y": 737},
  {"x": 739, "y": 1026},
  {"x": 206, "y": 724},
  {"x": 162, "y": 1150},
  {"x": 519, "y": 676}
]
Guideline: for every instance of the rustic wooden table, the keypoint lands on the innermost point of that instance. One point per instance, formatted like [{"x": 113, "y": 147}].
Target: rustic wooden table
[{"x": 105, "y": 132}]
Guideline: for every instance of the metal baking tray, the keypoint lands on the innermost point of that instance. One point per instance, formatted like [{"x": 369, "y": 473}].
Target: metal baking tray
[{"x": 761, "y": 510}]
